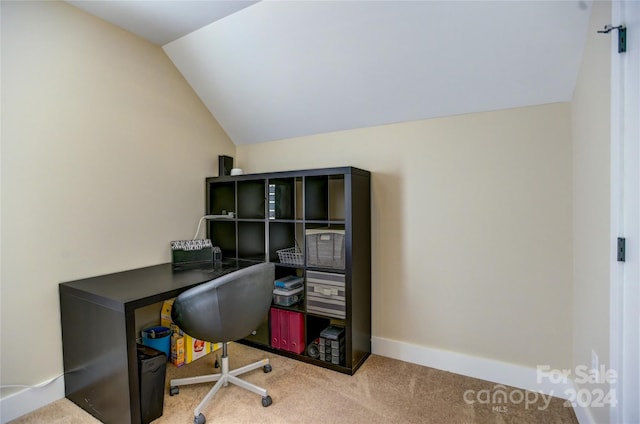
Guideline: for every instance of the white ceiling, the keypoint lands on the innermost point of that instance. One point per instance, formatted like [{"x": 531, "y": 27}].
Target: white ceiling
[
  {"x": 160, "y": 21},
  {"x": 278, "y": 69}
]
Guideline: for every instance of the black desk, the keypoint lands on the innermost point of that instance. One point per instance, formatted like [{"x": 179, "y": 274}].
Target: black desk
[{"x": 99, "y": 333}]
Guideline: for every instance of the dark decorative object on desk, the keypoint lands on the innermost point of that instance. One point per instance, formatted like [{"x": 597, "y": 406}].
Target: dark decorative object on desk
[
  {"x": 217, "y": 254},
  {"x": 191, "y": 252}
]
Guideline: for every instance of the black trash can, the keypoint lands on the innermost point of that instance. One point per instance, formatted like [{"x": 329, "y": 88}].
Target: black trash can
[{"x": 152, "y": 369}]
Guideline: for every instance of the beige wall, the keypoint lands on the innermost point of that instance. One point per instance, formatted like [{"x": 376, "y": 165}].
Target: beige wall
[
  {"x": 471, "y": 227},
  {"x": 105, "y": 149},
  {"x": 591, "y": 199}
]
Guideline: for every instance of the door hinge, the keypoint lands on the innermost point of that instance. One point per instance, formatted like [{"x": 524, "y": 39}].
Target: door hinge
[
  {"x": 621, "y": 249},
  {"x": 622, "y": 36}
]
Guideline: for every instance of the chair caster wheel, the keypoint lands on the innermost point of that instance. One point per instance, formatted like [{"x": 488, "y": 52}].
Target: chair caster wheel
[
  {"x": 200, "y": 419},
  {"x": 174, "y": 390},
  {"x": 266, "y": 401},
  {"x": 267, "y": 368}
]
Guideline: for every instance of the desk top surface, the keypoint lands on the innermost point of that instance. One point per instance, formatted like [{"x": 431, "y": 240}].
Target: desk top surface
[{"x": 144, "y": 286}]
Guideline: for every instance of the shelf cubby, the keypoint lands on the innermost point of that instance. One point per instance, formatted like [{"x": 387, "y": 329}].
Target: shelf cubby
[
  {"x": 223, "y": 234},
  {"x": 221, "y": 198},
  {"x": 282, "y": 235},
  {"x": 316, "y": 189},
  {"x": 251, "y": 199},
  {"x": 281, "y": 198},
  {"x": 251, "y": 240}
]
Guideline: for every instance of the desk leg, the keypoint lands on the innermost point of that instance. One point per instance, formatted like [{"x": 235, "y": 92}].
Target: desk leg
[
  {"x": 94, "y": 341},
  {"x": 133, "y": 375}
]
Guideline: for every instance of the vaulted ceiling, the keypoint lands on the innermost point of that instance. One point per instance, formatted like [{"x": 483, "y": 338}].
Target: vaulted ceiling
[{"x": 270, "y": 70}]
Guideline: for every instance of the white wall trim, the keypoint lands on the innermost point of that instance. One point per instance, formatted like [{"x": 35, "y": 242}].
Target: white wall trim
[
  {"x": 498, "y": 372},
  {"x": 624, "y": 334},
  {"x": 30, "y": 399}
]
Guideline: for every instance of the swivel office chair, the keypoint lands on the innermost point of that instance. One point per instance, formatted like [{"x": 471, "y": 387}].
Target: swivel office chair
[{"x": 226, "y": 309}]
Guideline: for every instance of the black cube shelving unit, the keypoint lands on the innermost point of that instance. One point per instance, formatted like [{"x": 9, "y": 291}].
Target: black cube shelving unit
[{"x": 275, "y": 211}]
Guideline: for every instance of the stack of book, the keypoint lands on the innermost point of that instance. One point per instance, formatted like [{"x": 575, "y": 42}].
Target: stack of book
[{"x": 288, "y": 290}]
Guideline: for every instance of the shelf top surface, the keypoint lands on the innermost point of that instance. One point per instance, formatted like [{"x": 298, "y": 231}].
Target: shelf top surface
[{"x": 294, "y": 173}]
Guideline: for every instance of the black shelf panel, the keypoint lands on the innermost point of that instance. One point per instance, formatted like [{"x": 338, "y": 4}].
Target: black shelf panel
[
  {"x": 291, "y": 221},
  {"x": 298, "y": 307},
  {"x": 325, "y": 269},
  {"x": 257, "y": 258},
  {"x": 321, "y": 223},
  {"x": 304, "y": 357},
  {"x": 284, "y": 265}
]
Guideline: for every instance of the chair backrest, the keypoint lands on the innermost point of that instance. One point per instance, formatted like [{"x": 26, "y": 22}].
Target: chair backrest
[{"x": 228, "y": 308}]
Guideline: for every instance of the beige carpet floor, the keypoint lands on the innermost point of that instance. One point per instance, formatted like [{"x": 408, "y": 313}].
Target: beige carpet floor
[{"x": 383, "y": 390}]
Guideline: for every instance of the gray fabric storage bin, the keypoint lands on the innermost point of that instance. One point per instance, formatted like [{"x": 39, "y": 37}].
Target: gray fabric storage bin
[
  {"x": 325, "y": 248},
  {"x": 326, "y": 294}
]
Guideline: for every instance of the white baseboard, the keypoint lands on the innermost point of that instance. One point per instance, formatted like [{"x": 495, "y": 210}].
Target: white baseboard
[
  {"x": 583, "y": 415},
  {"x": 498, "y": 372},
  {"x": 30, "y": 399}
]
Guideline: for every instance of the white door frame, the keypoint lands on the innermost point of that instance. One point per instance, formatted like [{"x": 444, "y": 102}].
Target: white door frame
[{"x": 625, "y": 214}]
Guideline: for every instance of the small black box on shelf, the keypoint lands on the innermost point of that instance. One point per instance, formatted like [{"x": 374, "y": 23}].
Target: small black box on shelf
[
  {"x": 331, "y": 345},
  {"x": 225, "y": 164}
]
